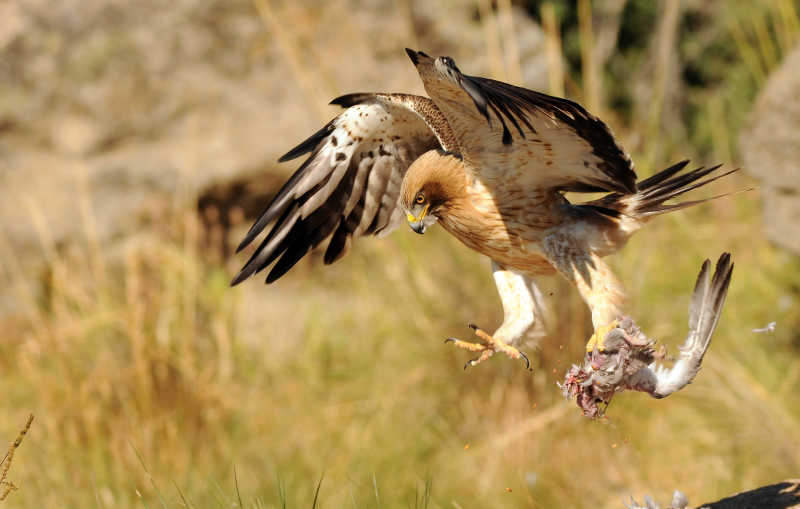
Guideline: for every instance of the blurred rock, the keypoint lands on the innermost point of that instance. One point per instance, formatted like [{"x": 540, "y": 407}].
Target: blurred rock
[
  {"x": 112, "y": 113},
  {"x": 771, "y": 150},
  {"x": 75, "y": 135},
  {"x": 784, "y": 495}
]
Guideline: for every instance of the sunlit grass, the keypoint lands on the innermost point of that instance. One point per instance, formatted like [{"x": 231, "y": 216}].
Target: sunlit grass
[
  {"x": 341, "y": 371},
  {"x": 155, "y": 384}
]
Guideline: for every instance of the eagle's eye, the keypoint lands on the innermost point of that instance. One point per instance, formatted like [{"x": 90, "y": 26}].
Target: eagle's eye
[
  {"x": 420, "y": 198},
  {"x": 448, "y": 62}
]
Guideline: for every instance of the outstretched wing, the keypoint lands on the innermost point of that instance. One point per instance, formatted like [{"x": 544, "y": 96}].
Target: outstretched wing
[
  {"x": 538, "y": 140},
  {"x": 348, "y": 187}
]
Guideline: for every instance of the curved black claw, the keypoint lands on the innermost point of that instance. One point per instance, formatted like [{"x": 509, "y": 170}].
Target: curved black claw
[
  {"x": 525, "y": 358},
  {"x": 470, "y": 363},
  {"x": 450, "y": 339},
  {"x": 473, "y": 326}
]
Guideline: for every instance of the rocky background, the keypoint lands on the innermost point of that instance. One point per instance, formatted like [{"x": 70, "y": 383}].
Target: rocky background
[{"x": 771, "y": 152}]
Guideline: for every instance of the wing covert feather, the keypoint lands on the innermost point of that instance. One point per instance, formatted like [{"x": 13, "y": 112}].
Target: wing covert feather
[{"x": 540, "y": 141}]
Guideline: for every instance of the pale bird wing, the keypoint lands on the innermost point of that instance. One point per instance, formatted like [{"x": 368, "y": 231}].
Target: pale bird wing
[
  {"x": 538, "y": 140},
  {"x": 348, "y": 187},
  {"x": 705, "y": 310}
]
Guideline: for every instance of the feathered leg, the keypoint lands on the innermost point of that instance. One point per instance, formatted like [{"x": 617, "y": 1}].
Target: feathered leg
[
  {"x": 599, "y": 287},
  {"x": 519, "y": 296}
]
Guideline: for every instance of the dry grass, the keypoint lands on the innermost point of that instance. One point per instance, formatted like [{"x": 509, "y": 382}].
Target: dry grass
[
  {"x": 157, "y": 385},
  {"x": 6, "y": 486}
]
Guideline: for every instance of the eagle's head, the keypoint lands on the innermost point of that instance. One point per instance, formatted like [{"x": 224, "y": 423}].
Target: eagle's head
[
  {"x": 432, "y": 185},
  {"x": 445, "y": 67}
]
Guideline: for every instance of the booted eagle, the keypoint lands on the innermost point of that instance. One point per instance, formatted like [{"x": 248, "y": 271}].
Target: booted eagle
[{"x": 489, "y": 162}]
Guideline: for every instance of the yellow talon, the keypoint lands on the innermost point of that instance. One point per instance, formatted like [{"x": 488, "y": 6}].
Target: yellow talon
[
  {"x": 599, "y": 337},
  {"x": 489, "y": 347}
]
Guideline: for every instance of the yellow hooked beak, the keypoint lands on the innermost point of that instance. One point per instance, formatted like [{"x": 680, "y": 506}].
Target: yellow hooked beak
[{"x": 416, "y": 221}]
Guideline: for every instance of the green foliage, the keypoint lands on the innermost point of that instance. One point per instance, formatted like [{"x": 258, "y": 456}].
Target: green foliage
[{"x": 725, "y": 51}]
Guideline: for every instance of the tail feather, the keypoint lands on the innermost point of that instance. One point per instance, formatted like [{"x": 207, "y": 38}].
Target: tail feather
[
  {"x": 654, "y": 211},
  {"x": 678, "y": 181},
  {"x": 662, "y": 175},
  {"x": 650, "y": 204},
  {"x": 678, "y": 184},
  {"x": 655, "y": 191}
]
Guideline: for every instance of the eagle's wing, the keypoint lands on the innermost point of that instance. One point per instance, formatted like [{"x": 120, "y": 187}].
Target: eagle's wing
[
  {"x": 350, "y": 184},
  {"x": 541, "y": 141}
]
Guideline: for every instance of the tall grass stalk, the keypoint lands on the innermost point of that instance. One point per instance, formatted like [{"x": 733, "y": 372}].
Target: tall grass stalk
[{"x": 552, "y": 31}]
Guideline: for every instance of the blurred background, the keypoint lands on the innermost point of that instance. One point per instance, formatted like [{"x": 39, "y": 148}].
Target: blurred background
[{"x": 139, "y": 139}]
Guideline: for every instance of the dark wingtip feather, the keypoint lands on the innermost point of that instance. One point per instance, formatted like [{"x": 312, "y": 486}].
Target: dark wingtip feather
[
  {"x": 722, "y": 279},
  {"x": 253, "y": 265},
  {"x": 665, "y": 185},
  {"x": 257, "y": 227},
  {"x": 339, "y": 243},
  {"x": 663, "y": 175},
  {"x": 681, "y": 185},
  {"x": 627, "y": 181},
  {"x": 241, "y": 276},
  {"x": 309, "y": 144},
  {"x": 347, "y": 100},
  {"x": 243, "y": 244},
  {"x": 724, "y": 268},
  {"x": 506, "y": 136},
  {"x": 278, "y": 205},
  {"x": 290, "y": 257},
  {"x": 473, "y": 90}
]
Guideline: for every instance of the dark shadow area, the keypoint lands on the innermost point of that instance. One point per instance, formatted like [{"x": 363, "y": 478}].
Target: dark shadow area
[{"x": 782, "y": 495}]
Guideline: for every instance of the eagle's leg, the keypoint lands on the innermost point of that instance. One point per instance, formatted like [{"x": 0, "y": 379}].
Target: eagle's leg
[
  {"x": 518, "y": 295},
  {"x": 597, "y": 339},
  {"x": 599, "y": 287},
  {"x": 605, "y": 297}
]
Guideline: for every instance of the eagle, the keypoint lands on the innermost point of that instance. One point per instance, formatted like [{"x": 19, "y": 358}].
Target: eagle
[{"x": 491, "y": 163}]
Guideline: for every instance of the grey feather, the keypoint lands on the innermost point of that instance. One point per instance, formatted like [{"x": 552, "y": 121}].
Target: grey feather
[
  {"x": 376, "y": 187},
  {"x": 705, "y": 310}
]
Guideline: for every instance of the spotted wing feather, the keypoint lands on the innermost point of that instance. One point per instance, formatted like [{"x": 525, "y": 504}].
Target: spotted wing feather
[{"x": 349, "y": 185}]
